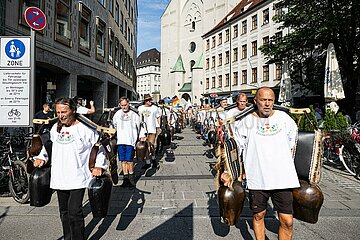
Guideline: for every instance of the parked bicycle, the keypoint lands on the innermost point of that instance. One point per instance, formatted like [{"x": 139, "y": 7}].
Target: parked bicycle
[
  {"x": 343, "y": 149},
  {"x": 13, "y": 171}
]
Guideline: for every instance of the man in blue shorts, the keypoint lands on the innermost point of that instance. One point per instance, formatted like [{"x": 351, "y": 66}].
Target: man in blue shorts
[{"x": 127, "y": 123}]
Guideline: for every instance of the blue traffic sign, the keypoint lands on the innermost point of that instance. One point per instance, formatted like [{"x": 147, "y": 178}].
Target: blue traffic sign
[
  {"x": 15, "y": 49},
  {"x": 35, "y": 18}
]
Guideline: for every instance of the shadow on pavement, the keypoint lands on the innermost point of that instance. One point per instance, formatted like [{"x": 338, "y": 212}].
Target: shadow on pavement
[
  {"x": 180, "y": 226},
  {"x": 123, "y": 201}
]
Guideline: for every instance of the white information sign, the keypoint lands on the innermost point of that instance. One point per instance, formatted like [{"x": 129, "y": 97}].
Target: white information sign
[
  {"x": 15, "y": 52},
  {"x": 14, "y": 97}
]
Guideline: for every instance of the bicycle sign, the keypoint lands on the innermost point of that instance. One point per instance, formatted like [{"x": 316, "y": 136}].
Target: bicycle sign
[{"x": 35, "y": 18}]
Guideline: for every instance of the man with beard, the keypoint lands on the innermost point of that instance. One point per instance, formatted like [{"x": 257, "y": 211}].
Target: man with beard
[
  {"x": 72, "y": 142},
  {"x": 127, "y": 123},
  {"x": 267, "y": 138}
]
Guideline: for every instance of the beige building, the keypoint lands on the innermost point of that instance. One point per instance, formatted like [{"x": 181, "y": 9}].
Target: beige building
[
  {"x": 232, "y": 60},
  {"x": 183, "y": 24}
]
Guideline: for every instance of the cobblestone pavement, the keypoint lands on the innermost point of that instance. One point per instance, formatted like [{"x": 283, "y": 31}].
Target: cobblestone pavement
[{"x": 178, "y": 201}]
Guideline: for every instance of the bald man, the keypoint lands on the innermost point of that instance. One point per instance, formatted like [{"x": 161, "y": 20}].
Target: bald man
[{"x": 267, "y": 138}]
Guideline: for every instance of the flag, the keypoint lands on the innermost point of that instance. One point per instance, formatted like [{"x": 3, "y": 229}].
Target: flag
[{"x": 175, "y": 101}]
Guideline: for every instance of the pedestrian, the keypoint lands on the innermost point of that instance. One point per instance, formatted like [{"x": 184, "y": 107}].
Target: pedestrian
[
  {"x": 127, "y": 125},
  {"x": 267, "y": 139},
  {"x": 81, "y": 109},
  {"x": 318, "y": 113},
  {"x": 241, "y": 101},
  {"x": 72, "y": 142},
  {"x": 150, "y": 114},
  {"x": 45, "y": 113}
]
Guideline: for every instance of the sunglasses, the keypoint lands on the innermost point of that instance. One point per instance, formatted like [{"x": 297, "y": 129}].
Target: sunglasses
[{"x": 147, "y": 100}]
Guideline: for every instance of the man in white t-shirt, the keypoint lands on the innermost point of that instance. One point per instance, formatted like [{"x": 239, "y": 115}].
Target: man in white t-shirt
[
  {"x": 81, "y": 109},
  {"x": 150, "y": 114},
  {"x": 267, "y": 138},
  {"x": 127, "y": 124}
]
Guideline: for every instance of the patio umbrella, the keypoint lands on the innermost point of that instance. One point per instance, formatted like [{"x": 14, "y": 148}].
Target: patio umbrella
[
  {"x": 333, "y": 87},
  {"x": 285, "y": 95}
]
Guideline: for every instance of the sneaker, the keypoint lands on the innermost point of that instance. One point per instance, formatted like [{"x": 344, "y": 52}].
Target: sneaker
[{"x": 146, "y": 166}]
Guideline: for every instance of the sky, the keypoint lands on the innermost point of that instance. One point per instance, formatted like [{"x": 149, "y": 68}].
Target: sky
[{"x": 149, "y": 20}]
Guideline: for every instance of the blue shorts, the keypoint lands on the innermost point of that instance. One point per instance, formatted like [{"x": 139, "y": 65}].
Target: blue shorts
[{"x": 125, "y": 152}]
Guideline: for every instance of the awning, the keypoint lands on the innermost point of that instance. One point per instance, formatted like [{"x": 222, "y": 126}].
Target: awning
[{"x": 185, "y": 88}]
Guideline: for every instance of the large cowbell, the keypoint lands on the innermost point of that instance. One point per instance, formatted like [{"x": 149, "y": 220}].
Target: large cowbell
[
  {"x": 141, "y": 149},
  {"x": 99, "y": 192},
  {"x": 39, "y": 187},
  {"x": 165, "y": 137}
]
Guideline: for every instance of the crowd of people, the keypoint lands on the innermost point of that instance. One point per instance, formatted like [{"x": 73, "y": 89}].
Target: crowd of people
[{"x": 265, "y": 140}]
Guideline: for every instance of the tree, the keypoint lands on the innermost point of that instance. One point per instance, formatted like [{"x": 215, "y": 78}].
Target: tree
[{"x": 313, "y": 25}]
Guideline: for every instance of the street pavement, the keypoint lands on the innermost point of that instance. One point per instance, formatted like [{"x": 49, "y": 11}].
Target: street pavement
[{"x": 178, "y": 201}]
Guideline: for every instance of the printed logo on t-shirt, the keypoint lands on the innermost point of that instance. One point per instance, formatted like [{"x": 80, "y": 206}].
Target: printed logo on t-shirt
[
  {"x": 65, "y": 137},
  {"x": 146, "y": 113},
  {"x": 268, "y": 130},
  {"x": 125, "y": 117}
]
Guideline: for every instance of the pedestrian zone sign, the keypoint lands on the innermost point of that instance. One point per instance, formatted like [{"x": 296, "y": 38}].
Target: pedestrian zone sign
[{"x": 15, "y": 52}]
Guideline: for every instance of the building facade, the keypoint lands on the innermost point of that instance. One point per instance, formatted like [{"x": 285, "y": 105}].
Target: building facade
[
  {"x": 88, "y": 48},
  {"x": 233, "y": 62},
  {"x": 148, "y": 73},
  {"x": 183, "y": 24}
]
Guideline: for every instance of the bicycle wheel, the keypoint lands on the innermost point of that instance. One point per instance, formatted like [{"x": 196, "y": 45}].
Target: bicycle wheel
[
  {"x": 347, "y": 160},
  {"x": 19, "y": 183}
]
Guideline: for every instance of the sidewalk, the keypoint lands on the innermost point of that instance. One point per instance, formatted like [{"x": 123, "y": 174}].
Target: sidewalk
[{"x": 178, "y": 201}]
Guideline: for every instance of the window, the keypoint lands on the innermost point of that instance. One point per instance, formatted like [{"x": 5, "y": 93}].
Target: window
[
  {"x": 207, "y": 83},
  {"x": 278, "y": 10},
  {"x": 192, "y": 63},
  {"x": 244, "y": 77},
  {"x": 116, "y": 53},
  {"x": 125, "y": 30},
  {"x": 235, "y": 54},
  {"x": 227, "y": 35},
  {"x": 220, "y": 81},
  {"x": 227, "y": 80},
  {"x": 100, "y": 39},
  {"x": 121, "y": 22},
  {"x": 266, "y": 16},
  {"x": 84, "y": 29},
  {"x": 192, "y": 47},
  {"x": 121, "y": 58},
  {"x": 236, "y": 78},
  {"x": 220, "y": 38},
  {"x": 111, "y": 6},
  {"x": 213, "y": 42},
  {"x": 243, "y": 51},
  {"x": 111, "y": 45},
  {"x": 254, "y": 48},
  {"x": 254, "y": 75},
  {"x": 63, "y": 22},
  {"x": 207, "y": 44},
  {"x": 207, "y": 63},
  {"x": 278, "y": 36},
  {"x": 278, "y": 72},
  {"x": 220, "y": 59},
  {"x": 244, "y": 27},
  {"x": 265, "y": 73},
  {"x": 213, "y": 82},
  {"x": 253, "y": 22},
  {"x": 24, "y": 4},
  {"x": 266, "y": 40},
  {"x": 117, "y": 13},
  {"x": 227, "y": 57},
  {"x": 125, "y": 62},
  {"x": 192, "y": 26},
  {"x": 213, "y": 61},
  {"x": 102, "y": 2},
  {"x": 235, "y": 28}
]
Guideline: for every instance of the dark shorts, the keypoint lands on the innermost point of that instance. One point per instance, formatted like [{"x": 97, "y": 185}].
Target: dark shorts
[
  {"x": 282, "y": 200},
  {"x": 125, "y": 152}
]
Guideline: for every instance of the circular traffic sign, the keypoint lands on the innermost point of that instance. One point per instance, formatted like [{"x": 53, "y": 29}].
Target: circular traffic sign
[
  {"x": 15, "y": 49},
  {"x": 35, "y": 18}
]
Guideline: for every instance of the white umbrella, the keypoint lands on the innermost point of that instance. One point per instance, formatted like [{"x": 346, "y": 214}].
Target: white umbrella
[
  {"x": 333, "y": 87},
  {"x": 285, "y": 95}
]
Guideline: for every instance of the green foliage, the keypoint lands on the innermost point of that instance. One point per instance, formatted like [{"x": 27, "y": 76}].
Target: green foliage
[
  {"x": 303, "y": 123},
  {"x": 313, "y": 25},
  {"x": 334, "y": 121}
]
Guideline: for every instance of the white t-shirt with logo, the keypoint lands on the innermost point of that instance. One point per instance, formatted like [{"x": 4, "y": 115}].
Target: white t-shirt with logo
[
  {"x": 127, "y": 126},
  {"x": 150, "y": 116},
  {"x": 70, "y": 156},
  {"x": 267, "y": 144}
]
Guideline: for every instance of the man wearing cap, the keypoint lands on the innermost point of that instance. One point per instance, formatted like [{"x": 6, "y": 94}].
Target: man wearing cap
[
  {"x": 150, "y": 114},
  {"x": 81, "y": 109}
]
